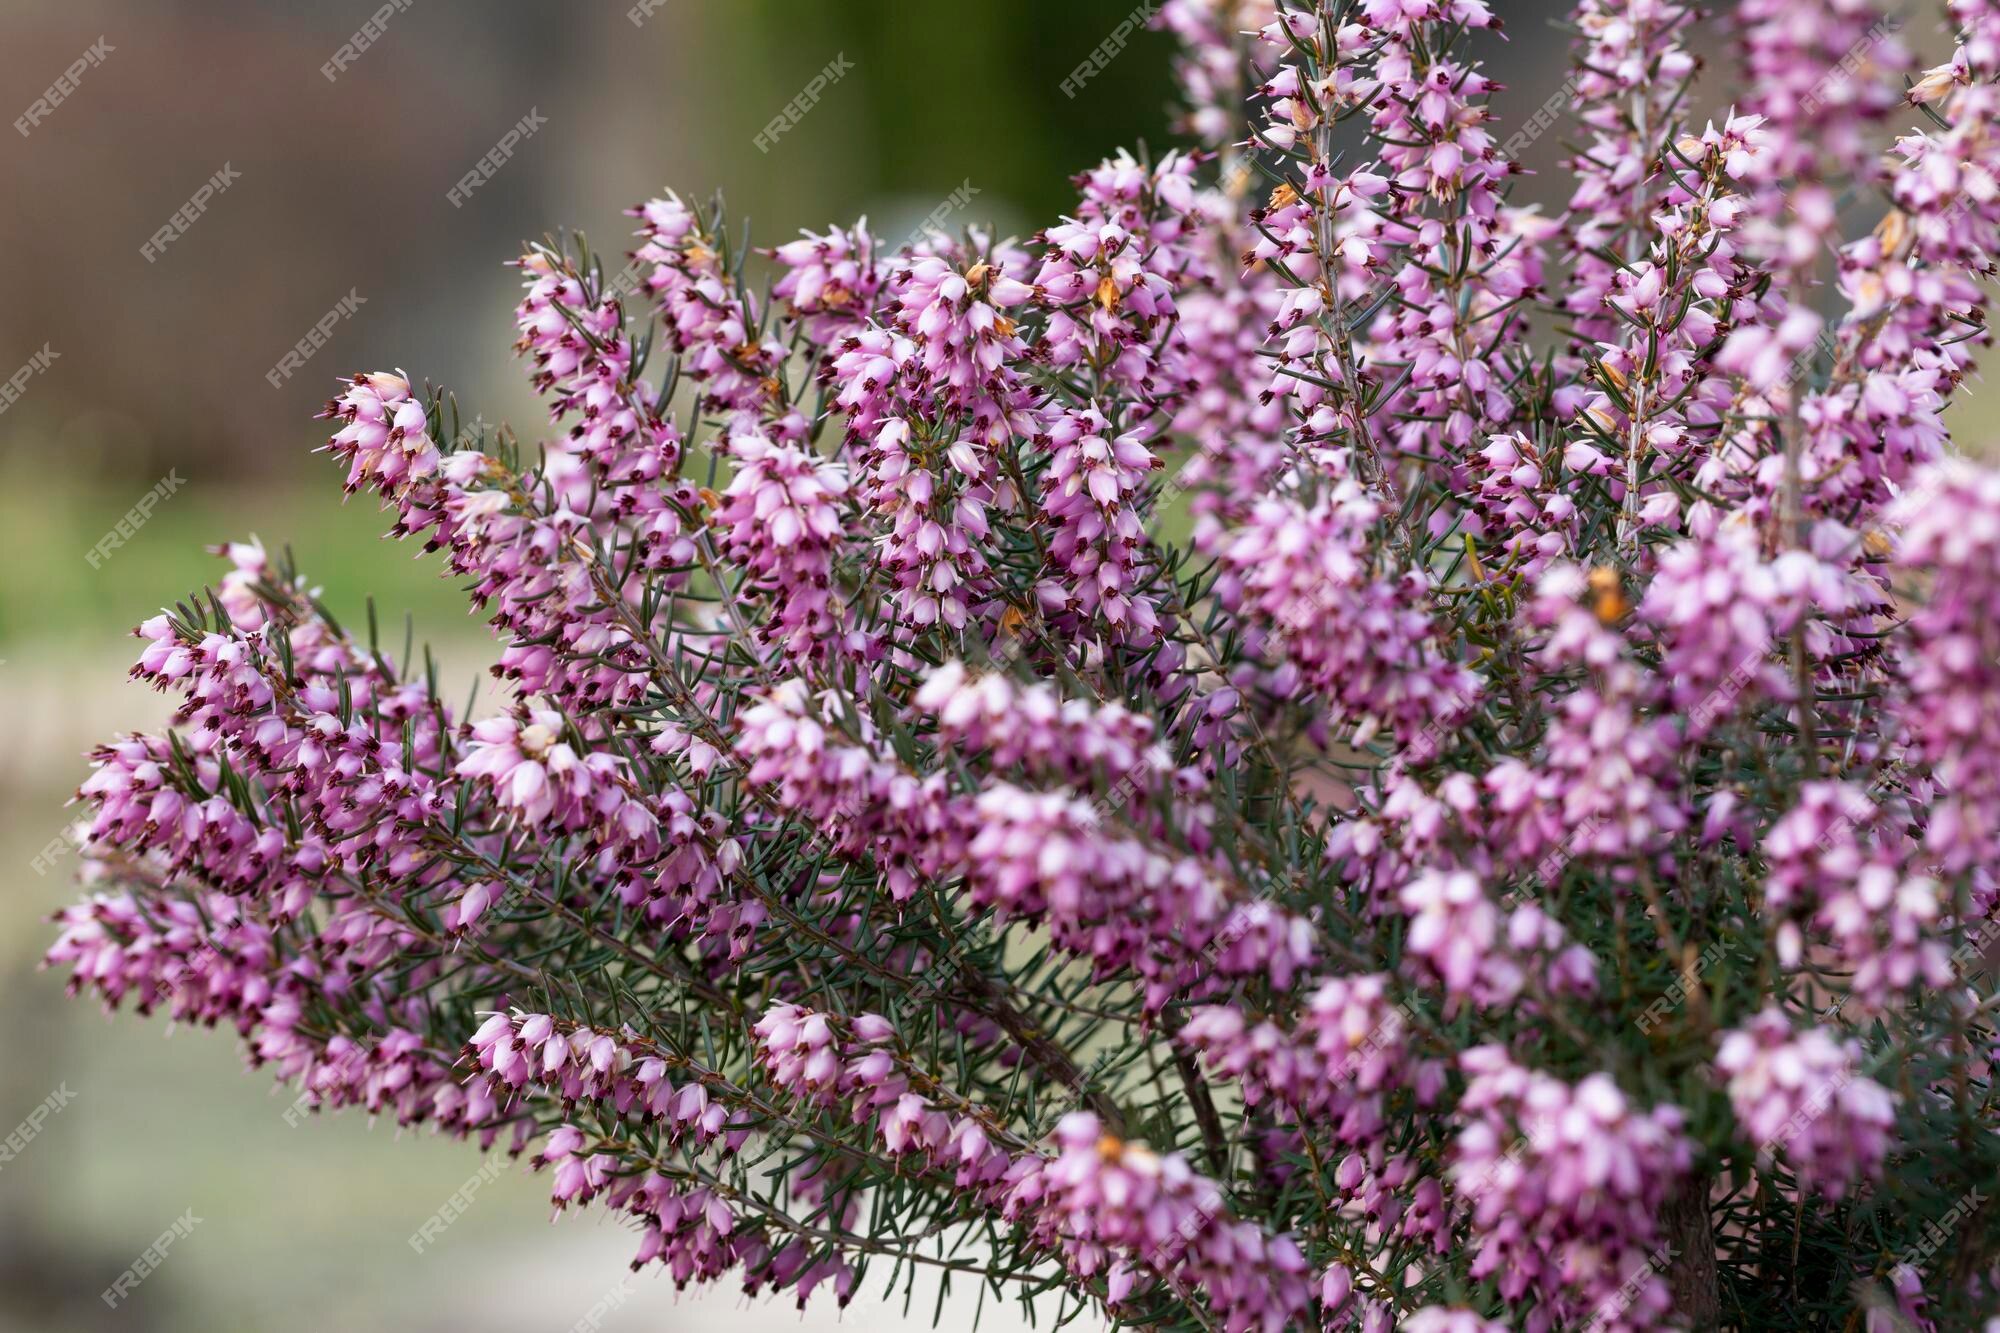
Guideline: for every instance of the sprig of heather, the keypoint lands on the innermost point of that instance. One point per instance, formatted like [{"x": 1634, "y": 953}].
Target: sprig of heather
[{"x": 1522, "y": 859}]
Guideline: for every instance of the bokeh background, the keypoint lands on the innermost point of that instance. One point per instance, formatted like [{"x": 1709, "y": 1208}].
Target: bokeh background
[{"x": 160, "y": 369}]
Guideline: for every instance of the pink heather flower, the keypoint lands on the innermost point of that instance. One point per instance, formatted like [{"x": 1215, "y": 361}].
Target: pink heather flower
[
  {"x": 1236, "y": 433},
  {"x": 962, "y": 339},
  {"x": 533, "y": 770},
  {"x": 1836, "y": 857},
  {"x": 857, "y": 797},
  {"x": 1631, "y": 67},
  {"x": 1564, "y": 1184},
  {"x": 1351, "y": 1048},
  {"x": 1337, "y": 624},
  {"x": 833, "y": 279},
  {"x": 1453, "y": 926},
  {"x": 624, "y": 1077},
  {"x": 1042, "y": 856},
  {"x": 780, "y": 519},
  {"x": 709, "y": 321},
  {"x": 1978, "y": 26},
  {"x": 1110, "y": 275},
  {"x": 1798, "y": 1097},
  {"x": 1210, "y": 68},
  {"x": 1100, "y": 1198},
  {"x": 1951, "y": 519},
  {"x": 867, "y": 372},
  {"x": 1099, "y": 542},
  {"x": 1764, "y": 356},
  {"x": 1036, "y": 727},
  {"x": 472, "y": 905},
  {"x": 938, "y": 529},
  {"x": 565, "y": 353},
  {"x": 831, "y": 1061},
  {"x": 1822, "y": 74},
  {"x": 1604, "y": 783},
  {"x": 386, "y": 439},
  {"x": 1725, "y": 615}
]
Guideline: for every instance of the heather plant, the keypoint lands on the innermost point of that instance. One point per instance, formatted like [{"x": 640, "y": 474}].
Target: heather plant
[{"x": 1305, "y": 747}]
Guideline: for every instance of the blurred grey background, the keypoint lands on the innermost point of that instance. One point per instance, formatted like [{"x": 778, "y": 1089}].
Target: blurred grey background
[{"x": 338, "y": 189}]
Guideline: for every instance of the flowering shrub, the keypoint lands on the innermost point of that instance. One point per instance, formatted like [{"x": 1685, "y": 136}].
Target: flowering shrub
[{"x": 1524, "y": 858}]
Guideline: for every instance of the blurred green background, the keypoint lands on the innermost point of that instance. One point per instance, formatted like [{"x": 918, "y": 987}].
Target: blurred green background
[{"x": 160, "y": 368}]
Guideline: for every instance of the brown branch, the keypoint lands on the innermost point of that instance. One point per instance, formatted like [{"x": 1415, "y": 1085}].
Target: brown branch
[
  {"x": 1691, "y": 1269},
  {"x": 1038, "y": 1046},
  {"x": 1212, "y": 1135}
]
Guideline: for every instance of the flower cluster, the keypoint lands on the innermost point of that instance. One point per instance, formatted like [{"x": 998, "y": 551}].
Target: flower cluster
[
  {"x": 1122, "y": 1209},
  {"x": 1564, "y": 1185},
  {"x": 1798, "y": 1097},
  {"x": 579, "y": 1064}
]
